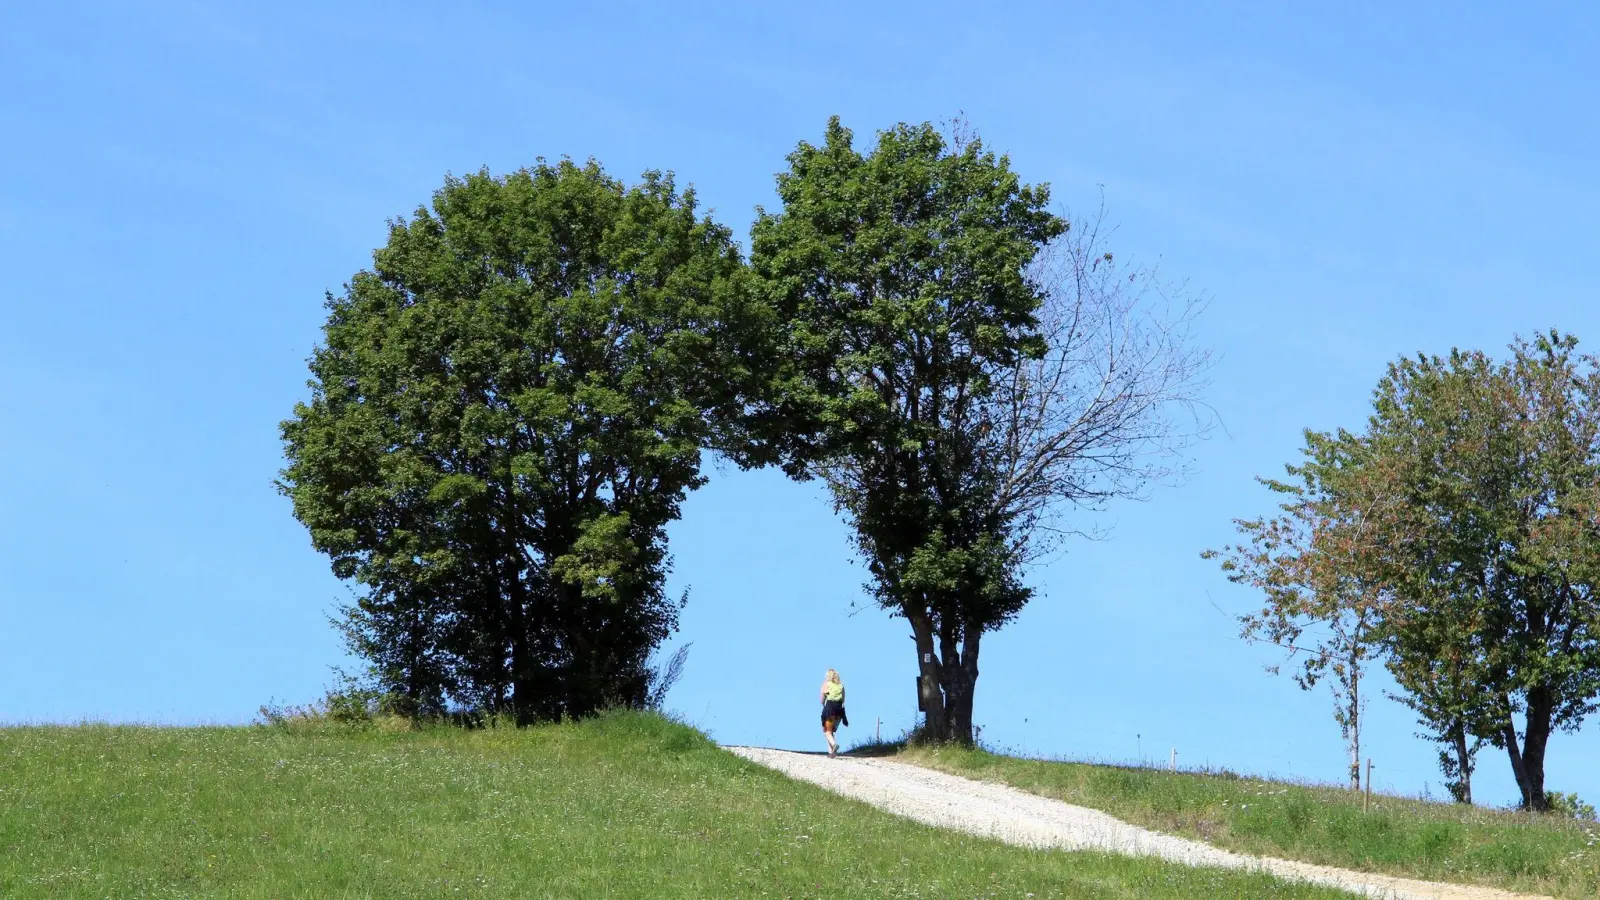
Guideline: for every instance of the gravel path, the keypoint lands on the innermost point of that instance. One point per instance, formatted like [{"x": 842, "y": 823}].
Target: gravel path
[{"x": 1010, "y": 815}]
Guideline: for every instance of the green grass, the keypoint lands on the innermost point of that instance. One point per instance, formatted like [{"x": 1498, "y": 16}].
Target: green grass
[
  {"x": 626, "y": 806},
  {"x": 1326, "y": 825}
]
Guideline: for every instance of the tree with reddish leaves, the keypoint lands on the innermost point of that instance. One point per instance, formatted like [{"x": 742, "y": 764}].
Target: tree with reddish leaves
[{"x": 1322, "y": 605}]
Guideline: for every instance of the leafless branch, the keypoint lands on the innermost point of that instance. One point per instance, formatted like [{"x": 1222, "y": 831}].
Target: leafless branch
[{"x": 1113, "y": 403}]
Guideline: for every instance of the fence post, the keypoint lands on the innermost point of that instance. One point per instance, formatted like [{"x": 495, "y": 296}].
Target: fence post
[
  {"x": 1366, "y": 799},
  {"x": 878, "y": 732},
  {"x": 1174, "y": 759}
]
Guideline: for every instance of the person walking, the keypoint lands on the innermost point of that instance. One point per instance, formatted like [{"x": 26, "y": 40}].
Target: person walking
[{"x": 832, "y": 710}]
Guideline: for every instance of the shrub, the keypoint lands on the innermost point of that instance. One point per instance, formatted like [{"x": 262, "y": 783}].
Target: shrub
[
  {"x": 1569, "y": 806},
  {"x": 349, "y": 704}
]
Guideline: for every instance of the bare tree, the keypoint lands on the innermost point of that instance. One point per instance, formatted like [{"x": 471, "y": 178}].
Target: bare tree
[{"x": 1110, "y": 406}]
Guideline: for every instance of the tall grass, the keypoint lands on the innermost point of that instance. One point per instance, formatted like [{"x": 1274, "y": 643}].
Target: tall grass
[
  {"x": 630, "y": 805},
  {"x": 1318, "y": 824}
]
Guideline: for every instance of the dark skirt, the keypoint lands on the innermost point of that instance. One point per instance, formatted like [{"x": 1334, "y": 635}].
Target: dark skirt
[{"x": 834, "y": 709}]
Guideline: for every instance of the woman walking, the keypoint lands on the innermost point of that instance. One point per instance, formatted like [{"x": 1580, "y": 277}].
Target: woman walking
[{"x": 832, "y": 709}]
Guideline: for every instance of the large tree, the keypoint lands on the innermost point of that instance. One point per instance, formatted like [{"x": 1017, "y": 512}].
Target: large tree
[
  {"x": 506, "y": 412},
  {"x": 1496, "y": 563},
  {"x": 947, "y": 387}
]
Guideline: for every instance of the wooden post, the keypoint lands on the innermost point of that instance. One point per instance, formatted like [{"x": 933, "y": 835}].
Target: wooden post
[
  {"x": 1174, "y": 759},
  {"x": 878, "y": 732},
  {"x": 1366, "y": 799}
]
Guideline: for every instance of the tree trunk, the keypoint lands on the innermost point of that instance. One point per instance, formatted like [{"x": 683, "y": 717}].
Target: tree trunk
[
  {"x": 515, "y": 591},
  {"x": 960, "y": 680},
  {"x": 1462, "y": 789},
  {"x": 958, "y": 706},
  {"x": 522, "y": 668},
  {"x": 1508, "y": 737},
  {"x": 947, "y": 678},
  {"x": 1353, "y": 718},
  {"x": 1355, "y": 758},
  {"x": 930, "y": 697},
  {"x": 1537, "y": 738},
  {"x": 1527, "y": 760}
]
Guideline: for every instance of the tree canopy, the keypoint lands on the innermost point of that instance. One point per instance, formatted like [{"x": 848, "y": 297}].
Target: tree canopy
[
  {"x": 948, "y": 386},
  {"x": 512, "y": 404},
  {"x": 506, "y": 412},
  {"x": 901, "y": 276}
]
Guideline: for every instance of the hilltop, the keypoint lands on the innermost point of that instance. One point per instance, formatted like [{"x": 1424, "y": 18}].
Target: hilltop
[{"x": 628, "y": 805}]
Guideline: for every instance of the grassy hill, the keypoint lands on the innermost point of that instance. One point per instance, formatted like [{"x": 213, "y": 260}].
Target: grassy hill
[
  {"x": 1318, "y": 824},
  {"x": 626, "y": 806}
]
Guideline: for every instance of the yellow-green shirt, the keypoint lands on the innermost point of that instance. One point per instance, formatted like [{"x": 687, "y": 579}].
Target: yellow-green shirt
[{"x": 833, "y": 690}]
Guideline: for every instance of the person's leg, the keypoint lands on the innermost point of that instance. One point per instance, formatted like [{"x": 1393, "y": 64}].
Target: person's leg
[{"x": 827, "y": 732}]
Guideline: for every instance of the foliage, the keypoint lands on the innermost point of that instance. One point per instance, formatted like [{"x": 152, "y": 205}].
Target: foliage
[
  {"x": 952, "y": 385},
  {"x": 1320, "y": 605},
  {"x": 619, "y": 806},
  {"x": 1569, "y": 806},
  {"x": 901, "y": 276},
  {"x": 1481, "y": 483},
  {"x": 1496, "y": 559},
  {"x": 507, "y": 410},
  {"x": 1430, "y": 658}
]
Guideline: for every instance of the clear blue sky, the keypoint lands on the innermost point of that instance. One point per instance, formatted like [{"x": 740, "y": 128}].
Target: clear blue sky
[{"x": 181, "y": 182}]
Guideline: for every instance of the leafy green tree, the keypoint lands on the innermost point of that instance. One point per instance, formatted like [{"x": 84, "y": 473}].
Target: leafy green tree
[
  {"x": 954, "y": 375},
  {"x": 506, "y": 412},
  {"x": 901, "y": 276},
  {"x": 1495, "y": 564}
]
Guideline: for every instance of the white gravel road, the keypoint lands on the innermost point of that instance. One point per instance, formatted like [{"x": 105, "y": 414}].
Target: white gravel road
[{"x": 1010, "y": 815}]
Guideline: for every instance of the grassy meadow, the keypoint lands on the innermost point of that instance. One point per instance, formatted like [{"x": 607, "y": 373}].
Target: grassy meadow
[
  {"x": 1317, "y": 824},
  {"x": 630, "y": 805}
]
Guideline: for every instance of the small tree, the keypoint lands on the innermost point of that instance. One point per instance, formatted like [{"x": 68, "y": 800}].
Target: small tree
[{"x": 1320, "y": 606}]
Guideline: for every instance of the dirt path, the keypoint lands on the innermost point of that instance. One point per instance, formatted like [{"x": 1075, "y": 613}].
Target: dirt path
[{"x": 1010, "y": 815}]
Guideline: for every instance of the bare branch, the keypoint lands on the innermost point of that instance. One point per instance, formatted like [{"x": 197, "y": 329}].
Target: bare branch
[{"x": 1111, "y": 405}]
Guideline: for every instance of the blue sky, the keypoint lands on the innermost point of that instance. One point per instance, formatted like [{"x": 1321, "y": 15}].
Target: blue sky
[{"x": 182, "y": 182}]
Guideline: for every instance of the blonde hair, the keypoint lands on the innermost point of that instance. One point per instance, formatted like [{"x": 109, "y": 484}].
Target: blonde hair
[{"x": 832, "y": 677}]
